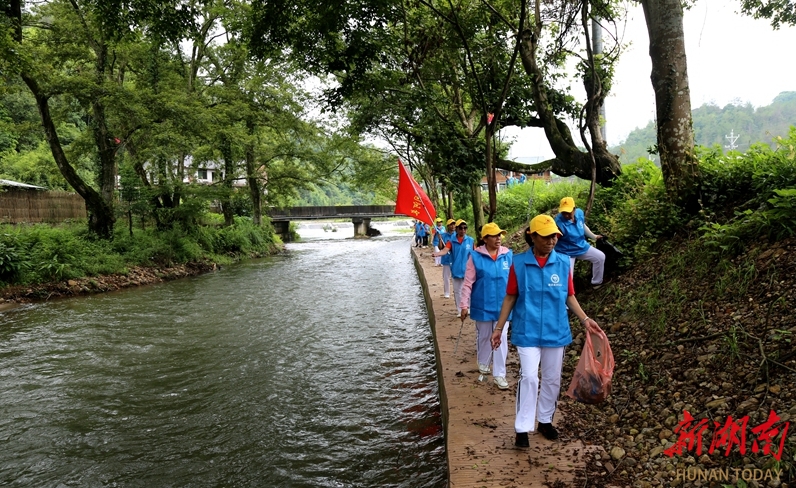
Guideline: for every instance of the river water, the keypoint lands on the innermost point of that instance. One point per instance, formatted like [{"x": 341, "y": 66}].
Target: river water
[{"x": 314, "y": 368}]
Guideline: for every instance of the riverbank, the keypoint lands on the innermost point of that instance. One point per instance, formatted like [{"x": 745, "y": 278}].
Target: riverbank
[
  {"x": 137, "y": 276},
  {"x": 479, "y": 418},
  {"x": 41, "y": 262}
]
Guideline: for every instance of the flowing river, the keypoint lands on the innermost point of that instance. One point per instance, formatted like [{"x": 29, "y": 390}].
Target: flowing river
[{"x": 314, "y": 368}]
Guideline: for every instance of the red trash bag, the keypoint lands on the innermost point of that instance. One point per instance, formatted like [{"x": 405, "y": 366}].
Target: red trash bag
[{"x": 591, "y": 381}]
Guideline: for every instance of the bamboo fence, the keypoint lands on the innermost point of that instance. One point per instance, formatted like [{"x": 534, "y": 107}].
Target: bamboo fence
[{"x": 18, "y": 206}]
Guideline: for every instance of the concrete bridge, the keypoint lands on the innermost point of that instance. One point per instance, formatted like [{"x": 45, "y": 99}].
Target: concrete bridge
[{"x": 360, "y": 215}]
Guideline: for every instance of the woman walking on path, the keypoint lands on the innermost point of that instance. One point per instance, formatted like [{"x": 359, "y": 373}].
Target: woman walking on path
[
  {"x": 572, "y": 223},
  {"x": 483, "y": 290},
  {"x": 459, "y": 246},
  {"x": 539, "y": 291},
  {"x": 437, "y": 241},
  {"x": 447, "y": 259}
]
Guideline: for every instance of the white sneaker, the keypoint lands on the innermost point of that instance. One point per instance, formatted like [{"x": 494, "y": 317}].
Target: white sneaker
[
  {"x": 484, "y": 368},
  {"x": 501, "y": 382},
  {"x": 447, "y": 296}
]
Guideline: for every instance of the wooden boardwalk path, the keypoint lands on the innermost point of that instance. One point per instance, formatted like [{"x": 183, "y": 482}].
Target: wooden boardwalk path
[{"x": 479, "y": 418}]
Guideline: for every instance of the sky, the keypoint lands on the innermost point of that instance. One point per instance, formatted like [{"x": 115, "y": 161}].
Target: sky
[{"x": 731, "y": 58}]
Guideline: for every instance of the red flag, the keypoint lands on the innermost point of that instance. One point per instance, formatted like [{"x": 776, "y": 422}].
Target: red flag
[{"x": 412, "y": 200}]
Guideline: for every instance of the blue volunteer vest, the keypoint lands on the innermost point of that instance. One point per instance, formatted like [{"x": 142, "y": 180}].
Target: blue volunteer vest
[
  {"x": 448, "y": 258},
  {"x": 437, "y": 236},
  {"x": 573, "y": 241},
  {"x": 540, "y": 313},
  {"x": 460, "y": 254},
  {"x": 489, "y": 289}
]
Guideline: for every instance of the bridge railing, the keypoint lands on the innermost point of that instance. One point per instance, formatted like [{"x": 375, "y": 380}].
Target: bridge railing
[{"x": 340, "y": 211}]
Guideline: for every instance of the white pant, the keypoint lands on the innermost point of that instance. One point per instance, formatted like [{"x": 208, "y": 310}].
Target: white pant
[
  {"x": 597, "y": 260},
  {"x": 483, "y": 346},
  {"x": 534, "y": 403},
  {"x": 446, "y": 279},
  {"x": 457, "y": 292}
]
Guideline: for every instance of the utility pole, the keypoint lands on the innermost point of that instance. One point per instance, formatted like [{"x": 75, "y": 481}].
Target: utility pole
[{"x": 732, "y": 138}]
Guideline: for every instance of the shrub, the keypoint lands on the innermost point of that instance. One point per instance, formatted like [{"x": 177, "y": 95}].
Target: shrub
[
  {"x": 37, "y": 253},
  {"x": 11, "y": 262},
  {"x": 520, "y": 203}
]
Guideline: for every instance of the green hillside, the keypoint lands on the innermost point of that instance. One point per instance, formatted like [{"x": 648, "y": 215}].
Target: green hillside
[{"x": 712, "y": 124}]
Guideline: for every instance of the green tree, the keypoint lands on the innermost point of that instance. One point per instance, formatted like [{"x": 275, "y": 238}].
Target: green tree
[
  {"x": 76, "y": 50},
  {"x": 404, "y": 42},
  {"x": 778, "y": 11}
]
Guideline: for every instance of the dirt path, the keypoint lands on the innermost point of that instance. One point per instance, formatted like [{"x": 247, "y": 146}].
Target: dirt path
[{"x": 479, "y": 418}]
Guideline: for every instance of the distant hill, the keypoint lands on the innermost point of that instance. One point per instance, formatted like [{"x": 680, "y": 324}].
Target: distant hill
[{"x": 712, "y": 124}]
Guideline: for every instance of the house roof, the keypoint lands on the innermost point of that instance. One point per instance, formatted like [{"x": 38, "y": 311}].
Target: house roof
[{"x": 17, "y": 184}]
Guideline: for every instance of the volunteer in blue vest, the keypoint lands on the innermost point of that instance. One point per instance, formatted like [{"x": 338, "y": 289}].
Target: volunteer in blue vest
[
  {"x": 437, "y": 240},
  {"x": 539, "y": 291},
  {"x": 446, "y": 260},
  {"x": 483, "y": 290},
  {"x": 420, "y": 234},
  {"x": 459, "y": 246},
  {"x": 572, "y": 223}
]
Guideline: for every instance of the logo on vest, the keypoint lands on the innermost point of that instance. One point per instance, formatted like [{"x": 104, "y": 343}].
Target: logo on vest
[
  {"x": 505, "y": 265},
  {"x": 555, "y": 280}
]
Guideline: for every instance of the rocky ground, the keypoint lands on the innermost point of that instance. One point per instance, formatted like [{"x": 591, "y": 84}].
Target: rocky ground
[{"x": 725, "y": 349}]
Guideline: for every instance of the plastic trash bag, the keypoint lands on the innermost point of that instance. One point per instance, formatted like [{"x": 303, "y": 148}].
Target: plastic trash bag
[
  {"x": 612, "y": 255},
  {"x": 591, "y": 381}
]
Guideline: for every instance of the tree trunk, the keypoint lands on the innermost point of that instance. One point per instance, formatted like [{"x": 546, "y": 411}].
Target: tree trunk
[
  {"x": 569, "y": 160},
  {"x": 226, "y": 198},
  {"x": 99, "y": 209},
  {"x": 251, "y": 178},
  {"x": 490, "y": 172},
  {"x": 100, "y": 213},
  {"x": 478, "y": 208},
  {"x": 672, "y": 98}
]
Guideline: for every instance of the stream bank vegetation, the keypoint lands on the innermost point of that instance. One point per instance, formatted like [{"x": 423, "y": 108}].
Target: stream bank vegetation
[
  {"x": 699, "y": 315},
  {"x": 41, "y": 261}
]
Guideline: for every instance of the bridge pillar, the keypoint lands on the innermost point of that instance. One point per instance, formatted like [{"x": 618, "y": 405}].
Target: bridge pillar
[
  {"x": 282, "y": 228},
  {"x": 361, "y": 225}
]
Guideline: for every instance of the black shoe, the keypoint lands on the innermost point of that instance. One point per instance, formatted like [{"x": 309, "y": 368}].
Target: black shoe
[
  {"x": 522, "y": 440},
  {"x": 548, "y": 431}
]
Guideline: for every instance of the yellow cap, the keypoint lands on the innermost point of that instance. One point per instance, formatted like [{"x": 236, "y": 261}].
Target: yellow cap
[
  {"x": 439, "y": 219},
  {"x": 567, "y": 204},
  {"x": 544, "y": 225},
  {"x": 450, "y": 221},
  {"x": 460, "y": 222},
  {"x": 491, "y": 229}
]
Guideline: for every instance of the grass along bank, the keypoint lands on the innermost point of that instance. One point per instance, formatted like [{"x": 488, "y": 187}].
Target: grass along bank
[{"x": 40, "y": 261}]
